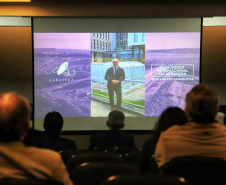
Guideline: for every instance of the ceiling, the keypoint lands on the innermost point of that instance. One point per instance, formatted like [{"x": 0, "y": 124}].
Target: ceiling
[
  {"x": 116, "y": 8},
  {"x": 122, "y": 8}
]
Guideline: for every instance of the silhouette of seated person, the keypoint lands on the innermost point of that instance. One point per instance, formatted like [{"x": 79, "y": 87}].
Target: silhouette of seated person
[
  {"x": 17, "y": 160},
  {"x": 34, "y": 138},
  {"x": 53, "y": 124},
  {"x": 201, "y": 136},
  {"x": 169, "y": 117},
  {"x": 113, "y": 140}
]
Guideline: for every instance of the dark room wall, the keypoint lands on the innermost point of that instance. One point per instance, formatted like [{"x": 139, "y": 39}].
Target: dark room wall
[
  {"x": 214, "y": 59},
  {"x": 16, "y": 60},
  {"x": 16, "y": 43},
  {"x": 16, "y": 66}
]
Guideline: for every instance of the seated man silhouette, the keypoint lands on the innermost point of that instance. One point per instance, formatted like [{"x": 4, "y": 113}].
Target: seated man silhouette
[
  {"x": 53, "y": 124},
  {"x": 114, "y": 139},
  {"x": 201, "y": 136},
  {"x": 17, "y": 160},
  {"x": 34, "y": 138}
]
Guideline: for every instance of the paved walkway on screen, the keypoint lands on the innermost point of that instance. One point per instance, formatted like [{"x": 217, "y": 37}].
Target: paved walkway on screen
[{"x": 99, "y": 109}]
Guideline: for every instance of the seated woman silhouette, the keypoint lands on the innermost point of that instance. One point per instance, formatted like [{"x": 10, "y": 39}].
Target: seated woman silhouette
[{"x": 169, "y": 117}]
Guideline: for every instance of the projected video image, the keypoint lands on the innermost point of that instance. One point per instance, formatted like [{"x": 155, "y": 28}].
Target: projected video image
[
  {"x": 123, "y": 88},
  {"x": 62, "y": 74},
  {"x": 171, "y": 70},
  {"x": 90, "y": 74}
]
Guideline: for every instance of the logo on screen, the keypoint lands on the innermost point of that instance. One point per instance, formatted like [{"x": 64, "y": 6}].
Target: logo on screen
[
  {"x": 158, "y": 70},
  {"x": 62, "y": 70}
]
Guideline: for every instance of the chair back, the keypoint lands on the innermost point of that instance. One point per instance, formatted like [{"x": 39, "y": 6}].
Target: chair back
[
  {"x": 131, "y": 157},
  {"x": 143, "y": 180},
  {"x": 122, "y": 150},
  {"x": 96, "y": 173},
  {"x": 197, "y": 170},
  {"x": 80, "y": 158},
  {"x": 67, "y": 154}
]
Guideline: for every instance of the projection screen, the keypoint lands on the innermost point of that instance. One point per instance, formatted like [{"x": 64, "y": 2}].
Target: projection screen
[{"x": 160, "y": 59}]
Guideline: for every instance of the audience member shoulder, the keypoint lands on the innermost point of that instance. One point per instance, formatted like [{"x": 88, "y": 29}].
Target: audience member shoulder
[
  {"x": 44, "y": 153},
  {"x": 223, "y": 127}
]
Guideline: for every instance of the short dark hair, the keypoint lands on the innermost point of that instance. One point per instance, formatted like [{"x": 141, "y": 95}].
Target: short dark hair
[
  {"x": 202, "y": 104},
  {"x": 53, "y": 123},
  {"x": 14, "y": 116},
  {"x": 169, "y": 117},
  {"x": 116, "y": 119}
]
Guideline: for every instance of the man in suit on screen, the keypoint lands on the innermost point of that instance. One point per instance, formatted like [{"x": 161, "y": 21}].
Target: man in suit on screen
[{"x": 115, "y": 75}]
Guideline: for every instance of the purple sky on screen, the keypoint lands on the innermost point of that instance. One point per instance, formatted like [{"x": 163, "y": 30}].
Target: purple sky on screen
[
  {"x": 62, "y": 40},
  {"x": 172, "y": 40}
]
